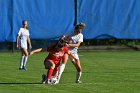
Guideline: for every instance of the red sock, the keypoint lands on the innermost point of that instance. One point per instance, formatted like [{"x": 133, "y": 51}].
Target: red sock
[{"x": 49, "y": 73}]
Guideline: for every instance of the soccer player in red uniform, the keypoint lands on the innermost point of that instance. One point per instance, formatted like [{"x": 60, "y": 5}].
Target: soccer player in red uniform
[{"x": 52, "y": 61}]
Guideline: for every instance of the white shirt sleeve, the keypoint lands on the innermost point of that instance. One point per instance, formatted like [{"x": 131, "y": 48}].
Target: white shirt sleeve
[
  {"x": 80, "y": 38},
  {"x": 28, "y": 33},
  {"x": 19, "y": 33}
]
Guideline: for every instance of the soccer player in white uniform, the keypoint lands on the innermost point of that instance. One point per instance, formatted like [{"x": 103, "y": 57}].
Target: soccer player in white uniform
[
  {"x": 73, "y": 45},
  {"x": 22, "y": 39}
]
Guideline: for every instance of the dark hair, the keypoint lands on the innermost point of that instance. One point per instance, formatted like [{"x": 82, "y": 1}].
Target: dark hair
[
  {"x": 60, "y": 44},
  {"x": 80, "y": 26},
  {"x": 23, "y": 23}
]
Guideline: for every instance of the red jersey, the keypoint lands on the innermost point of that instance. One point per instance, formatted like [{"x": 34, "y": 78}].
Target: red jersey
[{"x": 55, "y": 55}]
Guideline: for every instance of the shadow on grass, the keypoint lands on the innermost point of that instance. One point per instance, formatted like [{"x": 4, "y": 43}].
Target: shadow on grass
[{"x": 10, "y": 83}]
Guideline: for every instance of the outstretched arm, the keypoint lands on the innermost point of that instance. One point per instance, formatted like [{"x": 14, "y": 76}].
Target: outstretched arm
[
  {"x": 74, "y": 45},
  {"x": 37, "y": 51}
]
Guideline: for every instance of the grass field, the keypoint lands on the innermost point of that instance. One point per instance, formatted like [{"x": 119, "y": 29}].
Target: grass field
[{"x": 103, "y": 72}]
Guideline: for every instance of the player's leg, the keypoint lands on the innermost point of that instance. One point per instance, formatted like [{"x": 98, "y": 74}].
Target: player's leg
[
  {"x": 25, "y": 58},
  {"x": 56, "y": 69},
  {"x": 78, "y": 67},
  {"x": 54, "y": 77},
  {"x": 21, "y": 60},
  {"x": 49, "y": 64},
  {"x": 55, "y": 74},
  {"x": 62, "y": 66},
  {"x": 79, "y": 71}
]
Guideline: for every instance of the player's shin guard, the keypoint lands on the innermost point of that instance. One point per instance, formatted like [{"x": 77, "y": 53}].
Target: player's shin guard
[
  {"x": 78, "y": 76},
  {"x": 21, "y": 62},
  {"x": 62, "y": 67}
]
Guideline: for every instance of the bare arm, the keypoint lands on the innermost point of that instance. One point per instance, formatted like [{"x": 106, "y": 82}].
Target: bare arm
[
  {"x": 37, "y": 51},
  {"x": 29, "y": 42},
  {"x": 74, "y": 45},
  {"x": 17, "y": 41}
]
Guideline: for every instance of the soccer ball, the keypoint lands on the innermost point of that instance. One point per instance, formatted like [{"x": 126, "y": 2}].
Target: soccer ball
[{"x": 54, "y": 80}]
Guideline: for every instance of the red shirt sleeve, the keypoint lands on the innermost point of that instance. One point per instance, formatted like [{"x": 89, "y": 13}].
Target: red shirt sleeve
[{"x": 66, "y": 50}]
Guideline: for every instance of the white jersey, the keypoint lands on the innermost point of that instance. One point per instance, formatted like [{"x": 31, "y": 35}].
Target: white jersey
[
  {"x": 75, "y": 39},
  {"x": 23, "y": 33}
]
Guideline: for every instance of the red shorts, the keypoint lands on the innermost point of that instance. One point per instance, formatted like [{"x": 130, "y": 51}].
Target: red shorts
[{"x": 57, "y": 66}]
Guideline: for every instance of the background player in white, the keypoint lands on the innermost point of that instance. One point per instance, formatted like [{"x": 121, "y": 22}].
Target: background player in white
[
  {"x": 73, "y": 45},
  {"x": 22, "y": 39}
]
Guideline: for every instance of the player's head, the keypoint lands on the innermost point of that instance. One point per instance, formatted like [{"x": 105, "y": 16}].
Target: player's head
[
  {"x": 79, "y": 28},
  {"x": 25, "y": 24},
  {"x": 63, "y": 38},
  {"x": 60, "y": 44}
]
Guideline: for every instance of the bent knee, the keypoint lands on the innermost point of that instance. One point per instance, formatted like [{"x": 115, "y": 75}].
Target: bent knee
[
  {"x": 53, "y": 66},
  {"x": 79, "y": 69},
  {"x": 26, "y": 54}
]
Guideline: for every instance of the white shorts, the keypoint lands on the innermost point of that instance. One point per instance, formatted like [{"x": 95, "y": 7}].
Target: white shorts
[
  {"x": 23, "y": 45},
  {"x": 75, "y": 55}
]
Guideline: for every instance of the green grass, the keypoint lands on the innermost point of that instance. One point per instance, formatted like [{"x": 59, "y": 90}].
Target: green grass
[{"x": 103, "y": 72}]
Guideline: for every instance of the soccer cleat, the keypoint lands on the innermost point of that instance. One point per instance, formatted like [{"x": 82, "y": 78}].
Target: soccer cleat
[
  {"x": 48, "y": 81},
  {"x": 24, "y": 68},
  {"x": 44, "y": 79},
  {"x": 20, "y": 69},
  {"x": 78, "y": 81}
]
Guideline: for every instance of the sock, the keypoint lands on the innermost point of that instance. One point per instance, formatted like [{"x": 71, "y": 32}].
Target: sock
[
  {"x": 78, "y": 76},
  {"x": 62, "y": 67},
  {"x": 25, "y": 60},
  {"x": 21, "y": 61},
  {"x": 49, "y": 73}
]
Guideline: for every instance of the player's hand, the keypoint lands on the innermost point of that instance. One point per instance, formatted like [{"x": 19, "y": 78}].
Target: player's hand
[
  {"x": 67, "y": 45},
  {"x": 30, "y": 46},
  {"x": 17, "y": 46}
]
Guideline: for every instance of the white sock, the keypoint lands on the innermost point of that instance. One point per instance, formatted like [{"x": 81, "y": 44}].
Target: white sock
[
  {"x": 62, "y": 67},
  {"x": 78, "y": 75},
  {"x": 25, "y": 60},
  {"x": 21, "y": 61}
]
